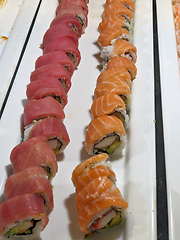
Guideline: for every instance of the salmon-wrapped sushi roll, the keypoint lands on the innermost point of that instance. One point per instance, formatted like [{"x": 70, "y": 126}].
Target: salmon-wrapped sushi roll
[
  {"x": 67, "y": 45},
  {"x": 121, "y": 48},
  {"x": 122, "y": 62},
  {"x": 35, "y": 110},
  {"x": 111, "y": 34},
  {"x": 104, "y": 134},
  {"x": 99, "y": 204},
  {"x": 71, "y": 20},
  {"x": 110, "y": 104},
  {"x": 51, "y": 87},
  {"x": 39, "y": 154},
  {"x": 119, "y": 72},
  {"x": 57, "y": 57},
  {"x": 23, "y": 216},
  {"x": 119, "y": 9},
  {"x": 94, "y": 167},
  {"x": 78, "y": 12},
  {"x": 55, "y": 70},
  {"x": 107, "y": 87},
  {"x": 70, "y": 3},
  {"x": 54, "y": 130},
  {"x": 114, "y": 19},
  {"x": 36, "y": 184},
  {"x": 127, "y": 3}
]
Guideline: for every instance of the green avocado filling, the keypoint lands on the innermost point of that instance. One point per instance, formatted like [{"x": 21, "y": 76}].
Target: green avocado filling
[
  {"x": 71, "y": 56},
  {"x": 110, "y": 149},
  {"x": 114, "y": 221},
  {"x": 25, "y": 228}
]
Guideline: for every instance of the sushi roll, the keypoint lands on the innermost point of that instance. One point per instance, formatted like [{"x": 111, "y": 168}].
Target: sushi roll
[
  {"x": 70, "y": 3},
  {"x": 104, "y": 134},
  {"x": 111, "y": 72},
  {"x": 110, "y": 104},
  {"x": 23, "y": 216},
  {"x": 111, "y": 34},
  {"x": 114, "y": 19},
  {"x": 55, "y": 70},
  {"x": 53, "y": 130},
  {"x": 51, "y": 87},
  {"x": 122, "y": 62},
  {"x": 57, "y": 57},
  {"x": 36, "y": 184},
  {"x": 122, "y": 89},
  {"x": 94, "y": 167},
  {"x": 14, "y": 179},
  {"x": 76, "y": 11},
  {"x": 119, "y": 9},
  {"x": 35, "y": 110},
  {"x": 68, "y": 46},
  {"x": 71, "y": 20},
  {"x": 31, "y": 153},
  {"x": 121, "y": 48},
  {"x": 99, "y": 204},
  {"x": 127, "y": 3},
  {"x": 59, "y": 31}
]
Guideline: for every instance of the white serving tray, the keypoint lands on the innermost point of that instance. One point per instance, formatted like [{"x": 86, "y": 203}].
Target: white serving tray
[
  {"x": 15, "y": 21},
  {"x": 136, "y": 172},
  {"x": 170, "y": 85}
]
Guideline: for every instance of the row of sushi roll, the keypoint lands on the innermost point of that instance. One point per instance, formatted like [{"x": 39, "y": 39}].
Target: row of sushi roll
[
  {"x": 176, "y": 18},
  {"x": 111, "y": 106},
  {"x": 99, "y": 203},
  {"x": 28, "y": 191}
]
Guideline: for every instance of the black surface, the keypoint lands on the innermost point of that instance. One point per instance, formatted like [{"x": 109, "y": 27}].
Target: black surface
[{"x": 162, "y": 213}]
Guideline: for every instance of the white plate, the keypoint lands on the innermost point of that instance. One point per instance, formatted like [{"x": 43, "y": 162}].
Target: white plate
[
  {"x": 170, "y": 84},
  {"x": 136, "y": 173}
]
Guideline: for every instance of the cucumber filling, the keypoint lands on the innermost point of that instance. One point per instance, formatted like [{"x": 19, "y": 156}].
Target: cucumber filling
[
  {"x": 107, "y": 221},
  {"x": 107, "y": 144},
  {"x": 55, "y": 144},
  {"x": 63, "y": 82},
  {"x": 71, "y": 56},
  {"x": 25, "y": 228}
]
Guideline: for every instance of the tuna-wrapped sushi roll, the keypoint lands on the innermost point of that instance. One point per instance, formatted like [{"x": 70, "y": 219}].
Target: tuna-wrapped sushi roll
[
  {"x": 14, "y": 179},
  {"x": 71, "y": 20},
  {"x": 36, "y": 184},
  {"x": 78, "y": 12},
  {"x": 67, "y": 45},
  {"x": 35, "y": 110},
  {"x": 99, "y": 204},
  {"x": 104, "y": 134},
  {"x": 57, "y": 57},
  {"x": 70, "y": 3},
  {"x": 51, "y": 87},
  {"x": 54, "y": 130},
  {"x": 23, "y": 216},
  {"x": 59, "y": 31},
  {"x": 31, "y": 153},
  {"x": 55, "y": 70}
]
